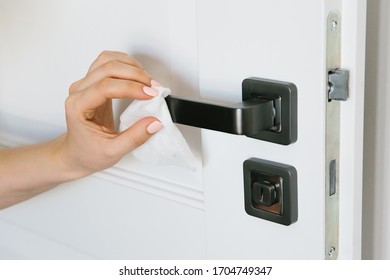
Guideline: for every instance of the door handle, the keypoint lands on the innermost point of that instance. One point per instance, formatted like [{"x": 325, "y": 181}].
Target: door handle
[
  {"x": 245, "y": 118},
  {"x": 268, "y": 111}
]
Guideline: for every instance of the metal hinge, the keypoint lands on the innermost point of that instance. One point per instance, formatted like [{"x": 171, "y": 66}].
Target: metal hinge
[{"x": 338, "y": 84}]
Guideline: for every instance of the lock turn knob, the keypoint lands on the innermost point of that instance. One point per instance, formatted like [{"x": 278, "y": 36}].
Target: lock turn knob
[{"x": 265, "y": 193}]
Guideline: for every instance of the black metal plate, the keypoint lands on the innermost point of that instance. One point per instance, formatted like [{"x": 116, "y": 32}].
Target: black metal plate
[
  {"x": 286, "y": 212},
  {"x": 271, "y": 89}
]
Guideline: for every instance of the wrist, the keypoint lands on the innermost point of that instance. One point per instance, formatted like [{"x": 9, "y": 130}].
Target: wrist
[{"x": 68, "y": 168}]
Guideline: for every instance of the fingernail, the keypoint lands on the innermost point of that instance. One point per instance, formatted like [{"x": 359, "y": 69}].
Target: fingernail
[
  {"x": 154, "y": 127},
  {"x": 150, "y": 91},
  {"x": 155, "y": 83}
]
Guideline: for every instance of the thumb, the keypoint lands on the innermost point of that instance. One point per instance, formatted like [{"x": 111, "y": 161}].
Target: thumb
[{"x": 137, "y": 134}]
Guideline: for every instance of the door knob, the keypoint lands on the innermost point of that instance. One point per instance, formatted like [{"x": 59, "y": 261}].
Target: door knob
[{"x": 268, "y": 111}]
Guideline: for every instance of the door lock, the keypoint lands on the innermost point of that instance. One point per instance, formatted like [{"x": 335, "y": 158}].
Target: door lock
[{"x": 270, "y": 191}]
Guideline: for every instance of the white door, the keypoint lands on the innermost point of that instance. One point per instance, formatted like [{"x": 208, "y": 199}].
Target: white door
[{"x": 201, "y": 50}]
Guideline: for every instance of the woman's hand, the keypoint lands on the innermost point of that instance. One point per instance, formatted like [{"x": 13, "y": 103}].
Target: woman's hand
[{"x": 91, "y": 143}]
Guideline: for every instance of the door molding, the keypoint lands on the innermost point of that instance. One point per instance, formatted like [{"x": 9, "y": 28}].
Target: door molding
[{"x": 120, "y": 174}]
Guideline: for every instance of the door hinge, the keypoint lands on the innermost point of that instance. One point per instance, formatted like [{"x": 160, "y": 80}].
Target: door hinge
[{"x": 338, "y": 84}]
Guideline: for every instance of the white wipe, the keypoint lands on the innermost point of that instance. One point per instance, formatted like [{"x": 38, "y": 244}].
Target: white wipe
[{"x": 167, "y": 146}]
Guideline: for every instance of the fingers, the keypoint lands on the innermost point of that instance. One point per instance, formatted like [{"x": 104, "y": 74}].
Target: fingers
[
  {"x": 110, "y": 88},
  {"x": 107, "y": 56},
  {"x": 113, "y": 69},
  {"x": 112, "y": 75},
  {"x": 92, "y": 143},
  {"x": 112, "y": 65},
  {"x": 136, "y": 135}
]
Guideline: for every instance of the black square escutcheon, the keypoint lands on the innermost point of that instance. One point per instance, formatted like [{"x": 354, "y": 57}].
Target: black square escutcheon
[{"x": 285, "y": 210}]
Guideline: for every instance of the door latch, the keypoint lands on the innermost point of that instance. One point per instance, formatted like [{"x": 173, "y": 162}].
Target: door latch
[{"x": 338, "y": 84}]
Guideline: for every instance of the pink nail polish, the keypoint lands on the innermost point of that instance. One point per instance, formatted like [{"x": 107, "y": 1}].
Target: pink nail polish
[
  {"x": 155, "y": 83},
  {"x": 154, "y": 127},
  {"x": 150, "y": 91}
]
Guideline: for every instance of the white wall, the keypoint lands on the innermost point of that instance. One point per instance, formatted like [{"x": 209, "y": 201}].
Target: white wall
[{"x": 376, "y": 196}]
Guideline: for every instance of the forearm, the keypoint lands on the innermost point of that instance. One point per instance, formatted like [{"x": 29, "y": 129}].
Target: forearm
[{"x": 30, "y": 170}]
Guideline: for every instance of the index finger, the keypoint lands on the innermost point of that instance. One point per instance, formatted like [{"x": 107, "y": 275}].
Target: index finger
[
  {"x": 110, "y": 88},
  {"x": 107, "y": 56}
]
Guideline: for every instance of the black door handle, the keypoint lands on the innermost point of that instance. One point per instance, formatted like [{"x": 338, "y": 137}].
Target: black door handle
[
  {"x": 268, "y": 112},
  {"x": 245, "y": 118}
]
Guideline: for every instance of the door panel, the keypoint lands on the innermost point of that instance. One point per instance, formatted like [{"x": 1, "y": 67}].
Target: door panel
[
  {"x": 200, "y": 49},
  {"x": 274, "y": 43},
  {"x": 105, "y": 220}
]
